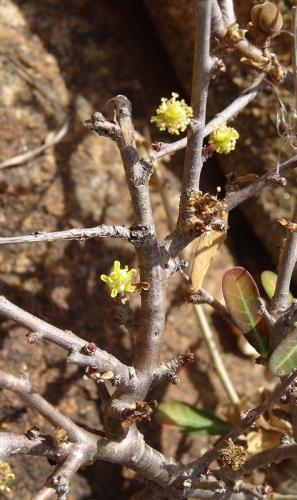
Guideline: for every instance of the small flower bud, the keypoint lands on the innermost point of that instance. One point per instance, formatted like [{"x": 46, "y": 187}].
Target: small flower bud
[
  {"x": 267, "y": 18},
  {"x": 89, "y": 348}
]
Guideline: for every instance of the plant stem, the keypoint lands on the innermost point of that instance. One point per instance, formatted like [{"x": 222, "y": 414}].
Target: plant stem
[
  {"x": 294, "y": 55},
  {"x": 228, "y": 12},
  {"x": 207, "y": 334},
  {"x": 200, "y": 465},
  {"x": 215, "y": 355},
  {"x": 101, "y": 231},
  {"x": 286, "y": 267},
  {"x": 201, "y": 77}
]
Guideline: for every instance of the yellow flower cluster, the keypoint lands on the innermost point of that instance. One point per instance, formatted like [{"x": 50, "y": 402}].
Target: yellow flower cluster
[
  {"x": 119, "y": 280},
  {"x": 236, "y": 33},
  {"x": 6, "y": 475},
  {"x": 223, "y": 139},
  {"x": 172, "y": 115}
]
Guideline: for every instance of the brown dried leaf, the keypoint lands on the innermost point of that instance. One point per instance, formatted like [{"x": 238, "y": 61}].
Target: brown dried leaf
[
  {"x": 207, "y": 246},
  {"x": 262, "y": 440}
]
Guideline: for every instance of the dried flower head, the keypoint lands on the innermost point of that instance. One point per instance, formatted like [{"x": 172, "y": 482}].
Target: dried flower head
[
  {"x": 58, "y": 437},
  {"x": 6, "y": 475},
  {"x": 223, "y": 139},
  {"x": 206, "y": 206},
  {"x": 119, "y": 281},
  {"x": 234, "y": 455},
  {"x": 172, "y": 115}
]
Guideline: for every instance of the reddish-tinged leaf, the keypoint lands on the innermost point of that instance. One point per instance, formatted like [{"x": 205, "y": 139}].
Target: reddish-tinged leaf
[{"x": 243, "y": 301}]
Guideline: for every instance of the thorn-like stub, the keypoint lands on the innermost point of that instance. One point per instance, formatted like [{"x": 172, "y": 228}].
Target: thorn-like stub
[
  {"x": 120, "y": 104},
  {"x": 97, "y": 117}
]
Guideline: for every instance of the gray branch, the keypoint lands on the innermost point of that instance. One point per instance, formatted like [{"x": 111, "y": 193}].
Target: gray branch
[
  {"x": 200, "y": 465},
  {"x": 202, "y": 66},
  {"x": 18, "y": 444},
  {"x": 285, "y": 270},
  {"x": 227, "y": 8},
  {"x": 151, "y": 261},
  {"x": 235, "y": 198},
  {"x": 99, "y": 359},
  {"x": 101, "y": 231}
]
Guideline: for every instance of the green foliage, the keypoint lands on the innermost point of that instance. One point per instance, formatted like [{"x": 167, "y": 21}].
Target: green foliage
[
  {"x": 191, "y": 420},
  {"x": 284, "y": 358},
  {"x": 243, "y": 301},
  {"x": 268, "y": 279}
]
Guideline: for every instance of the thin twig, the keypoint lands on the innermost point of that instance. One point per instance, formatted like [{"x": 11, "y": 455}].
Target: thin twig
[
  {"x": 176, "y": 241},
  {"x": 101, "y": 231},
  {"x": 285, "y": 270},
  {"x": 23, "y": 388},
  {"x": 289, "y": 253},
  {"x": 200, "y": 465},
  {"x": 294, "y": 54},
  {"x": 216, "y": 356},
  {"x": 235, "y": 198},
  {"x": 58, "y": 481},
  {"x": 201, "y": 296},
  {"x": 202, "y": 66},
  {"x": 99, "y": 360},
  {"x": 18, "y": 444},
  {"x": 53, "y": 138}
]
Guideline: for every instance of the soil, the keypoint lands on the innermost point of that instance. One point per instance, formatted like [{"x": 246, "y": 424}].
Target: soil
[{"x": 60, "y": 61}]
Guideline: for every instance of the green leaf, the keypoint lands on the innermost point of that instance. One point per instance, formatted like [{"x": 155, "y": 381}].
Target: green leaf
[
  {"x": 242, "y": 298},
  {"x": 191, "y": 420},
  {"x": 284, "y": 358},
  {"x": 268, "y": 279}
]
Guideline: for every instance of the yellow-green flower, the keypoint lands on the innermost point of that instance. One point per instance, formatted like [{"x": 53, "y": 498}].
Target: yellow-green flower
[
  {"x": 172, "y": 114},
  {"x": 223, "y": 139},
  {"x": 236, "y": 33},
  {"x": 6, "y": 475},
  {"x": 119, "y": 280}
]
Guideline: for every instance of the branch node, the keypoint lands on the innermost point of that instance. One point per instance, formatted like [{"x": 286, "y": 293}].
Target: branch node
[
  {"x": 168, "y": 370},
  {"x": 175, "y": 265},
  {"x": 89, "y": 348},
  {"x": 277, "y": 179},
  {"x": 138, "y": 411},
  {"x": 61, "y": 485}
]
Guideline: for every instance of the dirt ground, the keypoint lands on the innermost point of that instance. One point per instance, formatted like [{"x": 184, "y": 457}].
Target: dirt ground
[{"x": 60, "y": 61}]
